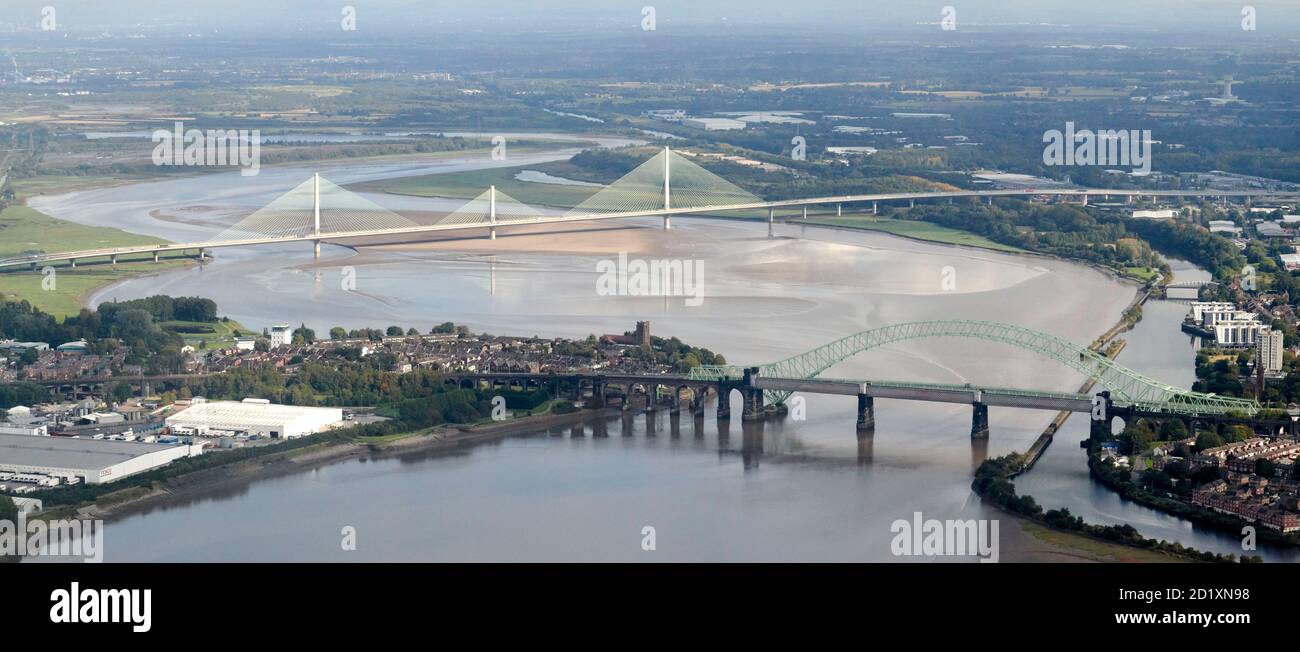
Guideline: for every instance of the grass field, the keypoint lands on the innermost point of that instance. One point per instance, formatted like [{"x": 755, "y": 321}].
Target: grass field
[
  {"x": 71, "y": 286},
  {"x": 52, "y": 184},
  {"x": 24, "y": 230},
  {"x": 223, "y": 335},
  {"x": 1089, "y": 545},
  {"x": 470, "y": 184},
  {"x": 914, "y": 229},
  {"x": 1143, "y": 274}
]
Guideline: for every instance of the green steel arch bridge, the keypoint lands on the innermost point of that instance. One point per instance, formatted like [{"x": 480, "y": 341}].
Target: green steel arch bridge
[{"x": 1127, "y": 387}]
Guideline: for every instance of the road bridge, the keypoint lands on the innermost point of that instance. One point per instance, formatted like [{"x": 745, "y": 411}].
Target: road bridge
[{"x": 302, "y": 215}]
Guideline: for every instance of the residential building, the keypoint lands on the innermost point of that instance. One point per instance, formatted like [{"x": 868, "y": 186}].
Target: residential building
[
  {"x": 281, "y": 335},
  {"x": 1269, "y": 351}
]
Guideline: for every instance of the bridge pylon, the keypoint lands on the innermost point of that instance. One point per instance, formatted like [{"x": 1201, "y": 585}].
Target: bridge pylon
[
  {"x": 492, "y": 212},
  {"x": 668, "y": 197}
]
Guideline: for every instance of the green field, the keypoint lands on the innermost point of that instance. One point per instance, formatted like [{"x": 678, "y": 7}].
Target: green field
[
  {"x": 1143, "y": 274},
  {"x": 71, "y": 286},
  {"x": 1113, "y": 552},
  {"x": 470, "y": 184},
  {"x": 223, "y": 335},
  {"x": 25, "y": 230},
  {"x": 913, "y": 229},
  {"x": 53, "y": 184}
]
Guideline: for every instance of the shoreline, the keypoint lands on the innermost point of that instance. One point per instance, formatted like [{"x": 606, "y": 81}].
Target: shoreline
[{"x": 235, "y": 477}]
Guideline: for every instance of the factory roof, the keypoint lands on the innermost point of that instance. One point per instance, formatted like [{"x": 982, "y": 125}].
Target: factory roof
[
  {"x": 234, "y": 415},
  {"x": 69, "y": 452}
]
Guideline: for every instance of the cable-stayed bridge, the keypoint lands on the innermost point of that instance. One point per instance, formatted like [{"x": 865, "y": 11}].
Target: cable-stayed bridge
[{"x": 666, "y": 185}]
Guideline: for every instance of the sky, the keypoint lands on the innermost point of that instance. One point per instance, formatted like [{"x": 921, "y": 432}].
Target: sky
[{"x": 1276, "y": 17}]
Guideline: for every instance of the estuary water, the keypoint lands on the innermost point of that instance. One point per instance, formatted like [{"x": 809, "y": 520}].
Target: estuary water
[{"x": 789, "y": 490}]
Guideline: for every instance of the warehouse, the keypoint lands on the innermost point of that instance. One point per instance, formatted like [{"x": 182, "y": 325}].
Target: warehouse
[
  {"x": 72, "y": 459},
  {"x": 253, "y": 417}
]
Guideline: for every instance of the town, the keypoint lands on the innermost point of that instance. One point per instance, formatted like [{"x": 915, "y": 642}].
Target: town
[{"x": 93, "y": 418}]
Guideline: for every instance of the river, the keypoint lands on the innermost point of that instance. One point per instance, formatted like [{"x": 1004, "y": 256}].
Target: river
[{"x": 790, "y": 490}]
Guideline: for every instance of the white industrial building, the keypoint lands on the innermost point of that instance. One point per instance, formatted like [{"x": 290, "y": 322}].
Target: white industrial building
[
  {"x": 714, "y": 124},
  {"x": 92, "y": 461},
  {"x": 1157, "y": 214},
  {"x": 253, "y": 417},
  {"x": 21, "y": 421}
]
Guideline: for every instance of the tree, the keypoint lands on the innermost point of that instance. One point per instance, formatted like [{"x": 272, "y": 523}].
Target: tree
[
  {"x": 1138, "y": 437},
  {"x": 121, "y": 392},
  {"x": 394, "y": 331},
  {"x": 1236, "y": 432},
  {"x": 304, "y": 335},
  {"x": 1208, "y": 440},
  {"x": 411, "y": 332},
  {"x": 1173, "y": 430},
  {"x": 338, "y": 333},
  {"x": 1265, "y": 468}
]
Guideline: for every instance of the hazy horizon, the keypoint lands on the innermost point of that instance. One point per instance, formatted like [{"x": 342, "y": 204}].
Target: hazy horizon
[{"x": 375, "y": 18}]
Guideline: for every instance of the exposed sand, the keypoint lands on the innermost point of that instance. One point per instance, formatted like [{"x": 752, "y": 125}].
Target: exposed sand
[{"x": 575, "y": 239}]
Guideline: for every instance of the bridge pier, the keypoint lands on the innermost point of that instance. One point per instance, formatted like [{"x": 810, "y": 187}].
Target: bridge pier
[
  {"x": 875, "y": 209},
  {"x": 72, "y": 262},
  {"x": 33, "y": 267},
  {"x": 316, "y": 249},
  {"x": 155, "y": 256},
  {"x": 979, "y": 424},
  {"x": 911, "y": 203},
  {"x": 724, "y": 404},
  {"x": 203, "y": 254},
  {"x": 1099, "y": 429},
  {"x": 866, "y": 415},
  {"x": 112, "y": 259},
  {"x": 839, "y": 210},
  {"x": 771, "y": 221},
  {"x": 754, "y": 409}
]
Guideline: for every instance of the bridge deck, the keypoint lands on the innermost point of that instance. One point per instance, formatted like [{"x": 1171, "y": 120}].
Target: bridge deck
[{"x": 663, "y": 212}]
